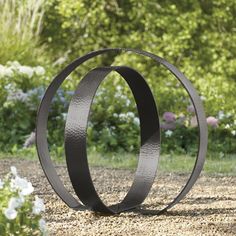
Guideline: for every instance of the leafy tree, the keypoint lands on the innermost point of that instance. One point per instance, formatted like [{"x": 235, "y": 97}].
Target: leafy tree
[{"x": 196, "y": 36}]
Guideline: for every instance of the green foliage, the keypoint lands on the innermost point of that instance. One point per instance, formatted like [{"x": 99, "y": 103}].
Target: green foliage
[
  {"x": 19, "y": 101},
  {"x": 114, "y": 124},
  {"x": 196, "y": 36}
]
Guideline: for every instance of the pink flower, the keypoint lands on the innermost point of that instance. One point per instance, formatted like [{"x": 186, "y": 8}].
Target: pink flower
[
  {"x": 212, "y": 121},
  {"x": 169, "y": 117},
  {"x": 168, "y": 126}
]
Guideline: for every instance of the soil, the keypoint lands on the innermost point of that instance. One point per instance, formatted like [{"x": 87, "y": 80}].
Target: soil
[{"x": 209, "y": 209}]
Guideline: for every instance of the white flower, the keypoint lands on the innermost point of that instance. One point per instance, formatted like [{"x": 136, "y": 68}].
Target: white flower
[
  {"x": 221, "y": 115},
  {"x": 119, "y": 88},
  {"x": 168, "y": 133},
  {"x": 13, "y": 64},
  {"x": 5, "y": 71},
  {"x": 227, "y": 126},
  {"x": 123, "y": 97},
  {"x": 64, "y": 115},
  {"x": 16, "y": 202},
  {"x": 233, "y": 132},
  {"x": 1, "y": 184},
  {"x": 10, "y": 213},
  {"x": 26, "y": 70},
  {"x": 42, "y": 226},
  {"x": 203, "y": 98},
  {"x": 39, "y": 70},
  {"x": 23, "y": 185},
  {"x": 38, "y": 206},
  {"x": 8, "y": 72},
  {"x": 27, "y": 190},
  {"x": 122, "y": 116},
  {"x": 130, "y": 114},
  {"x": 14, "y": 170},
  {"x": 128, "y": 102},
  {"x": 136, "y": 121}
]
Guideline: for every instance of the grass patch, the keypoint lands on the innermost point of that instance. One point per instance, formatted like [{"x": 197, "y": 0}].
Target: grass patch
[
  {"x": 168, "y": 163},
  {"x": 117, "y": 161},
  {"x": 182, "y": 164}
]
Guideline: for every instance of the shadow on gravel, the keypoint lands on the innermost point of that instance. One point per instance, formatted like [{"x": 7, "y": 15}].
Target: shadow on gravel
[
  {"x": 206, "y": 200},
  {"x": 192, "y": 213}
]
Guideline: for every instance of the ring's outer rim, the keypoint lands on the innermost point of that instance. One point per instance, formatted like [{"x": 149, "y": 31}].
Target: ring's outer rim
[{"x": 41, "y": 127}]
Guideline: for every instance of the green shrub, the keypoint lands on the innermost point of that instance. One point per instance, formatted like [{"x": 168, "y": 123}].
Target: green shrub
[
  {"x": 114, "y": 123},
  {"x": 19, "y": 101},
  {"x": 195, "y": 36}
]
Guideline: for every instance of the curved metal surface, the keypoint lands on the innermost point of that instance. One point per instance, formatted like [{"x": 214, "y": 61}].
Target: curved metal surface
[
  {"x": 75, "y": 139},
  {"x": 41, "y": 137}
]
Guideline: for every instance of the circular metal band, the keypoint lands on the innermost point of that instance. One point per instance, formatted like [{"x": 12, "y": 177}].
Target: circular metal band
[
  {"x": 41, "y": 129},
  {"x": 75, "y": 139}
]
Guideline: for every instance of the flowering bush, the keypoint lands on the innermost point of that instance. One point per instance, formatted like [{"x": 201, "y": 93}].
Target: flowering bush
[
  {"x": 181, "y": 134},
  {"x": 19, "y": 101},
  {"x": 20, "y": 212},
  {"x": 212, "y": 121},
  {"x": 169, "y": 117},
  {"x": 114, "y": 122}
]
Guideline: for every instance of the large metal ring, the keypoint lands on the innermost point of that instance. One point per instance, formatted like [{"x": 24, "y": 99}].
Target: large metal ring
[
  {"x": 41, "y": 137},
  {"x": 75, "y": 141}
]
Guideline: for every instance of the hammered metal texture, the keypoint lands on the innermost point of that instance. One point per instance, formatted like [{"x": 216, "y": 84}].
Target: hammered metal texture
[{"x": 75, "y": 139}]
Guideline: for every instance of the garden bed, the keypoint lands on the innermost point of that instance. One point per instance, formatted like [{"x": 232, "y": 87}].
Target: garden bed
[{"x": 209, "y": 209}]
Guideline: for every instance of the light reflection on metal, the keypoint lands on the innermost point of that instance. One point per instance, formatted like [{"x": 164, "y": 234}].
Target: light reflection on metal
[{"x": 75, "y": 136}]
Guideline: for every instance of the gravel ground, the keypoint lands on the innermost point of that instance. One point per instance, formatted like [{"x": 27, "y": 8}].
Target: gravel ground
[{"x": 209, "y": 209}]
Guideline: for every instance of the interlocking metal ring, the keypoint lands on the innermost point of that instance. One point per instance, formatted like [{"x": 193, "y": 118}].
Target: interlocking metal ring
[{"x": 75, "y": 135}]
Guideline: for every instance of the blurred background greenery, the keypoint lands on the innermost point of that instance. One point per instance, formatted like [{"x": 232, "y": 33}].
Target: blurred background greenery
[{"x": 38, "y": 38}]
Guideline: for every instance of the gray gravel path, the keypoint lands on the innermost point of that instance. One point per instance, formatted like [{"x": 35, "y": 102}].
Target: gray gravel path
[{"x": 209, "y": 209}]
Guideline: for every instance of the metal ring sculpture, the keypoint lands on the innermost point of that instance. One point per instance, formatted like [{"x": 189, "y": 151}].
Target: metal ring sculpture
[{"x": 75, "y": 136}]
